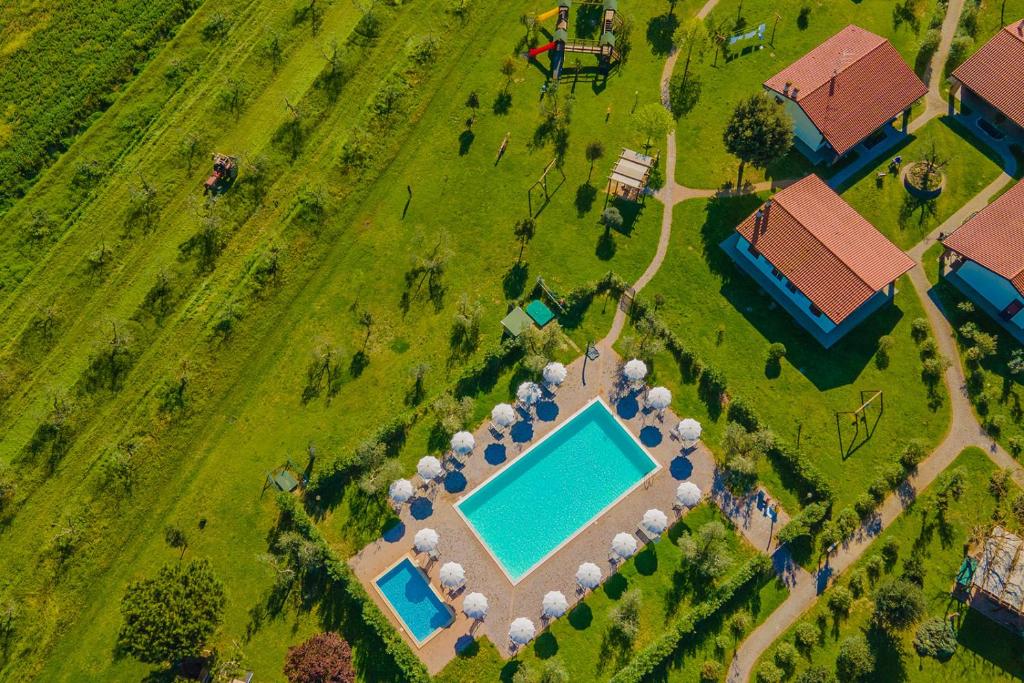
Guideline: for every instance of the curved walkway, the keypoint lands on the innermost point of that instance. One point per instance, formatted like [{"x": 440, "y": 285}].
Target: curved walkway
[{"x": 964, "y": 430}]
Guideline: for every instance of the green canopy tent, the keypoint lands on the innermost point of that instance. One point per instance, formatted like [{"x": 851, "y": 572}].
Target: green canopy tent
[{"x": 516, "y": 322}]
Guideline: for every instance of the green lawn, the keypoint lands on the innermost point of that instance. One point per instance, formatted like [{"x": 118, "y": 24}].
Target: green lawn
[
  {"x": 901, "y": 217},
  {"x": 721, "y": 314},
  {"x": 702, "y": 159},
  {"x": 245, "y": 410},
  {"x": 986, "y": 651},
  {"x": 579, "y": 640}
]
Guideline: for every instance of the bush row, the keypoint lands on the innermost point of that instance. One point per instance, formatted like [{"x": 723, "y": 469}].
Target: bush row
[
  {"x": 341, "y": 574},
  {"x": 644, "y": 663}
]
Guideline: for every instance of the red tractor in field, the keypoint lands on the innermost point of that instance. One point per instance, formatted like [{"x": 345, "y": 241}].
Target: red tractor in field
[{"x": 225, "y": 170}]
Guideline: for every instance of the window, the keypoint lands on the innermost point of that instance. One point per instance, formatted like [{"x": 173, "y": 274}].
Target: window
[
  {"x": 777, "y": 273},
  {"x": 753, "y": 250},
  {"x": 815, "y": 311},
  {"x": 791, "y": 287}
]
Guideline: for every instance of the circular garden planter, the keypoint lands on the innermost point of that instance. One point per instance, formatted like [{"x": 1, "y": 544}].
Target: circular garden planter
[{"x": 912, "y": 180}]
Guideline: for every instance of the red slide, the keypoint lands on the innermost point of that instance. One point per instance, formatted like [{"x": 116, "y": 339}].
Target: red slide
[{"x": 541, "y": 48}]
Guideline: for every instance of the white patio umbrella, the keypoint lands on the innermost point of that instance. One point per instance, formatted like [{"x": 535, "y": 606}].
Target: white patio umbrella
[
  {"x": 689, "y": 431},
  {"x": 624, "y": 545},
  {"x": 463, "y": 443},
  {"x": 425, "y": 540},
  {"x": 555, "y": 373},
  {"x": 655, "y": 522},
  {"x": 503, "y": 415},
  {"x": 588, "y": 576},
  {"x": 688, "y": 494},
  {"x": 659, "y": 398},
  {"x": 400, "y": 491},
  {"x": 555, "y": 605},
  {"x": 474, "y": 606},
  {"x": 521, "y": 631},
  {"x": 529, "y": 393},
  {"x": 452, "y": 575},
  {"x": 429, "y": 468},
  {"x": 634, "y": 370}
]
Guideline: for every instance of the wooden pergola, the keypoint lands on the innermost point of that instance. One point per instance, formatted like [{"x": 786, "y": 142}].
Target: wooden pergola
[{"x": 630, "y": 175}]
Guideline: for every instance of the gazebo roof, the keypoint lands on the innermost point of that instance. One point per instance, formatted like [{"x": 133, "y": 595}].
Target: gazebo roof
[
  {"x": 1000, "y": 572},
  {"x": 516, "y": 322}
]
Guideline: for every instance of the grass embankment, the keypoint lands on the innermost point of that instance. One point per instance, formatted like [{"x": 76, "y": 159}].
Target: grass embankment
[
  {"x": 969, "y": 167},
  {"x": 730, "y": 322},
  {"x": 986, "y": 651},
  {"x": 245, "y": 412},
  {"x": 703, "y": 160}
]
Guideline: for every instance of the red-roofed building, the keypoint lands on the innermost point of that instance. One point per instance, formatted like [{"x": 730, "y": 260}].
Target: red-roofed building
[
  {"x": 986, "y": 256},
  {"x": 843, "y": 91},
  {"x": 819, "y": 258},
  {"x": 992, "y": 80}
]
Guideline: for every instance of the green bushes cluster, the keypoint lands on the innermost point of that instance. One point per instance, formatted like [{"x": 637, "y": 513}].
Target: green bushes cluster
[
  {"x": 640, "y": 667},
  {"x": 351, "y": 591}
]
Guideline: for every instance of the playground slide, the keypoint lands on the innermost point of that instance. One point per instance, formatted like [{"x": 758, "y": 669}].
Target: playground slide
[
  {"x": 547, "y": 15},
  {"x": 542, "y": 48}
]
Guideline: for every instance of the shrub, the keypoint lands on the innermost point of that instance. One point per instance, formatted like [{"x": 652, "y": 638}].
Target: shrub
[
  {"x": 806, "y": 636},
  {"x": 936, "y": 639},
  {"x": 856, "y": 582},
  {"x": 929, "y": 348},
  {"x": 885, "y": 344},
  {"x": 890, "y": 550},
  {"x": 919, "y": 330},
  {"x": 855, "y": 661},
  {"x": 839, "y": 601},
  {"x": 769, "y": 673},
  {"x": 776, "y": 352},
  {"x": 873, "y": 565},
  {"x": 912, "y": 454},
  {"x": 864, "y": 505},
  {"x": 958, "y": 51},
  {"x": 899, "y": 604},
  {"x": 324, "y": 657},
  {"x": 710, "y": 671},
  {"x": 785, "y": 657},
  {"x": 913, "y": 570},
  {"x": 816, "y": 674},
  {"x": 625, "y": 617},
  {"x": 739, "y": 624},
  {"x": 930, "y": 42}
]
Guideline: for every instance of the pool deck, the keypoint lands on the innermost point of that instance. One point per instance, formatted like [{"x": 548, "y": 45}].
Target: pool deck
[{"x": 459, "y": 544}]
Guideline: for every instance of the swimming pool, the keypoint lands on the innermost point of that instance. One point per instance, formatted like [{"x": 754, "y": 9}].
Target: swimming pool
[
  {"x": 413, "y": 600},
  {"x": 526, "y": 511}
]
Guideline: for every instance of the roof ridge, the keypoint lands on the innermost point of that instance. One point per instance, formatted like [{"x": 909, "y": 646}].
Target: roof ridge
[
  {"x": 818, "y": 240},
  {"x": 1016, "y": 29}
]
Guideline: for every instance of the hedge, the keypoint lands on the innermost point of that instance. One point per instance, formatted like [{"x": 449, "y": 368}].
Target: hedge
[
  {"x": 405, "y": 659},
  {"x": 644, "y": 663}
]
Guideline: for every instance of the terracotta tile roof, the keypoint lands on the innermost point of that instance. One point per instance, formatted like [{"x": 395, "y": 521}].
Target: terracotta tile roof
[
  {"x": 824, "y": 247},
  {"x": 994, "y": 237},
  {"x": 871, "y": 85},
  {"x": 996, "y": 72}
]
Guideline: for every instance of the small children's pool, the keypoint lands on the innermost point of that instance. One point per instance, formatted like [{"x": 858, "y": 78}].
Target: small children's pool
[
  {"x": 529, "y": 509},
  {"x": 412, "y": 599}
]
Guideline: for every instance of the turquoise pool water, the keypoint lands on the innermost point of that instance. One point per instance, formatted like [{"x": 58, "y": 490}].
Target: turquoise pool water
[
  {"x": 539, "y": 501},
  {"x": 411, "y": 597}
]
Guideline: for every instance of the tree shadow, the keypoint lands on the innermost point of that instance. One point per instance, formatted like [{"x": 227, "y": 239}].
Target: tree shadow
[
  {"x": 646, "y": 562},
  {"x": 615, "y": 586},
  {"x": 502, "y": 103},
  {"x": 606, "y": 246},
  {"x": 659, "y": 34},
  {"x": 585, "y": 196},
  {"x": 514, "y": 282},
  {"x": 466, "y": 138}
]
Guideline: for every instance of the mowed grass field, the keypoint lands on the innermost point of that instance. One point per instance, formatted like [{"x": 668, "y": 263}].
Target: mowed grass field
[
  {"x": 703, "y": 160},
  {"x": 723, "y": 315},
  {"x": 97, "y": 268}
]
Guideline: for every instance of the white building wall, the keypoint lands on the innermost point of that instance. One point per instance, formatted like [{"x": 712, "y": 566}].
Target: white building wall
[
  {"x": 997, "y": 290},
  {"x": 802, "y": 126}
]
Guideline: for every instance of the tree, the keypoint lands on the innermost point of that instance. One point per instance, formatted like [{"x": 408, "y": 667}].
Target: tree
[
  {"x": 553, "y": 672},
  {"x": 652, "y": 121},
  {"x": 840, "y": 599},
  {"x": 935, "y": 638},
  {"x": 509, "y": 66},
  {"x": 710, "y": 671},
  {"x": 176, "y": 538},
  {"x": 899, "y": 605},
  {"x": 324, "y": 658},
  {"x": 611, "y": 218},
  {"x": 759, "y": 132},
  {"x": 625, "y": 617},
  {"x": 594, "y": 151},
  {"x": 524, "y": 230},
  {"x": 170, "y": 616},
  {"x": 855, "y": 660},
  {"x": 190, "y": 147},
  {"x": 706, "y": 553},
  {"x": 693, "y": 37}
]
